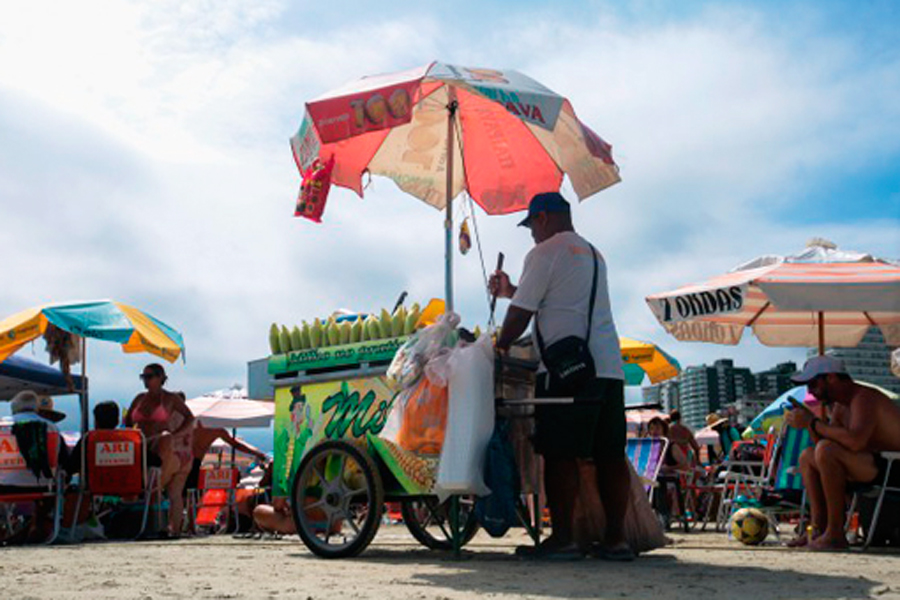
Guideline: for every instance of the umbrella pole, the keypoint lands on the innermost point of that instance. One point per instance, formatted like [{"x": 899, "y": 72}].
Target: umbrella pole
[
  {"x": 821, "y": 333},
  {"x": 82, "y": 480},
  {"x": 233, "y": 436},
  {"x": 452, "y": 105},
  {"x": 84, "y": 390}
]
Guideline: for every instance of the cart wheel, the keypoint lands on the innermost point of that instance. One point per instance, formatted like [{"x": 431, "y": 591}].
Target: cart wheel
[
  {"x": 429, "y": 522},
  {"x": 338, "y": 499}
]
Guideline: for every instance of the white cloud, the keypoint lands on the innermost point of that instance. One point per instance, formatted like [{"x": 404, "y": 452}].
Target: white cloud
[{"x": 152, "y": 165}]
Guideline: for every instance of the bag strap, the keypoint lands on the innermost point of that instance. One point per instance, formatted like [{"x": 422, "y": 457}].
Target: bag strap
[{"x": 537, "y": 329}]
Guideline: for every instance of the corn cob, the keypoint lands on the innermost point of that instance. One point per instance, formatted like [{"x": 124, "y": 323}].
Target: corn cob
[
  {"x": 285, "y": 339},
  {"x": 274, "y": 339}
]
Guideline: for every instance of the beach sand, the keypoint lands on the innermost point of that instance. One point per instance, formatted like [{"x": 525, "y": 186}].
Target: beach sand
[{"x": 698, "y": 566}]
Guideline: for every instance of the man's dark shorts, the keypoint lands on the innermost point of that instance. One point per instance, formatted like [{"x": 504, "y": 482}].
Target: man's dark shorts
[{"x": 593, "y": 427}]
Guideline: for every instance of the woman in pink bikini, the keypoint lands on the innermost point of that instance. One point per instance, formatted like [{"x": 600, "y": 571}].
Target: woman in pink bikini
[{"x": 167, "y": 423}]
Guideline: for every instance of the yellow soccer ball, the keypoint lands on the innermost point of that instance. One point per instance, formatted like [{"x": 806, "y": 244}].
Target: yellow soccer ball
[{"x": 749, "y": 526}]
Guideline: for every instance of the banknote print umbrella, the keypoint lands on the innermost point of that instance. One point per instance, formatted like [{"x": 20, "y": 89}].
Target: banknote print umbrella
[{"x": 441, "y": 129}]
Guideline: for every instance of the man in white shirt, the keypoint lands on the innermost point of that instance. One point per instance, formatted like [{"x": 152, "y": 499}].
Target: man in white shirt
[{"x": 557, "y": 278}]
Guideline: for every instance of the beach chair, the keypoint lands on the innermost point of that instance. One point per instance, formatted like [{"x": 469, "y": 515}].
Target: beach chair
[
  {"x": 215, "y": 498},
  {"x": 116, "y": 467},
  {"x": 745, "y": 477},
  {"x": 646, "y": 456},
  {"x": 12, "y": 462},
  {"x": 887, "y": 485},
  {"x": 781, "y": 492}
]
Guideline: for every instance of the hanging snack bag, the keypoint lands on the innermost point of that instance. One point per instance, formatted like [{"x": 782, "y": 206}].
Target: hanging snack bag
[
  {"x": 424, "y": 418},
  {"x": 314, "y": 190}
]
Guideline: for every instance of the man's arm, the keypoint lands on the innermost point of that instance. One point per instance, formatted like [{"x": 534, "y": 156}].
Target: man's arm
[
  {"x": 854, "y": 437},
  {"x": 222, "y": 434},
  {"x": 694, "y": 446},
  {"x": 514, "y": 325}
]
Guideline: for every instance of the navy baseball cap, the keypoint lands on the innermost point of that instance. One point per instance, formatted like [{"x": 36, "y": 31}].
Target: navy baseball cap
[{"x": 550, "y": 202}]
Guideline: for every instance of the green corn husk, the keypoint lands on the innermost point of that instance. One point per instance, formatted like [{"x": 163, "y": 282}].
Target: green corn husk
[
  {"x": 411, "y": 319},
  {"x": 345, "y": 330},
  {"x": 385, "y": 324},
  {"x": 274, "y": 339},
  {"x": 315, "y": 334},
  {"x": 305, "y": 336},
  {"x": 334, "y": 332},
  {"x": 285, "y": 339},
  {"x": 373, "y": 327},
  {"x": 398, "y": 322}
]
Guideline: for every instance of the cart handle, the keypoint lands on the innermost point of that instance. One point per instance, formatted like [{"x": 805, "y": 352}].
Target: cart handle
[{"x": 535, "y": 401}]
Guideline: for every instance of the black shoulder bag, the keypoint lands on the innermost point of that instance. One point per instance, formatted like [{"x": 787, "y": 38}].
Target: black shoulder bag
[{"x": 569, "y": 362}]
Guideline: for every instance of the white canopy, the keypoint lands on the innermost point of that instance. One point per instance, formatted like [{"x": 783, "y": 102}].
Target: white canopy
[{"x": 232, "y": 408}]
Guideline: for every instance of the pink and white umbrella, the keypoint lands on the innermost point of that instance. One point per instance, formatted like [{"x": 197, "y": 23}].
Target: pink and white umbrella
[
  {"x": 820, "y": 297},
  {"x": 440, "y": 129}
]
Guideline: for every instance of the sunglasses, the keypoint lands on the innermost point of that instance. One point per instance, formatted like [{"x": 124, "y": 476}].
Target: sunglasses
[{"x": 146, "y": 376}]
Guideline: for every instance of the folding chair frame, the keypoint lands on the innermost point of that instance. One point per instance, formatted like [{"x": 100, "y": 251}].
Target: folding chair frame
[{"x": 883, "y": 488}]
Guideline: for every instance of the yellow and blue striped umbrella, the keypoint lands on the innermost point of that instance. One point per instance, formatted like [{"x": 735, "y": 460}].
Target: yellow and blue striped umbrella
[
  {"x": 134, "y": 329},
  {"x": 644, "y": 358}
]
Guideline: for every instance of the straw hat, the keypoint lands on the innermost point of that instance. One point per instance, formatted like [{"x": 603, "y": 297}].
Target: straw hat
[{"x": 714, "y": 420}]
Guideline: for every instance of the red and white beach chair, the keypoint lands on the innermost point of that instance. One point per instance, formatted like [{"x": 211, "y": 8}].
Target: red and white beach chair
[
  {"x": 12, "y": 461},
  {"x": 116, "y": 464}
]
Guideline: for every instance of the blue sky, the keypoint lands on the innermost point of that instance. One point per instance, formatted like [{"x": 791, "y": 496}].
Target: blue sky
[{"x": 144, "y": 155}]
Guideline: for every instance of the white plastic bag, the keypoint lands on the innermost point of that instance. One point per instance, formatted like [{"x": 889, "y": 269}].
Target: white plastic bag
[{"x": 470, "y": 420}]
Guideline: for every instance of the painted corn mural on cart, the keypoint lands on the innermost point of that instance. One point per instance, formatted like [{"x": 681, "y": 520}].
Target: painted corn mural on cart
[{"x": 332, "y": 405}]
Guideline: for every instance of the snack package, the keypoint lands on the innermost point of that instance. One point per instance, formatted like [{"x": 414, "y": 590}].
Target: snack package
[
  {"x": 424, "y": 418},
  {"x": 424, "y": 346},
  {"x": 314, "y": 190}
]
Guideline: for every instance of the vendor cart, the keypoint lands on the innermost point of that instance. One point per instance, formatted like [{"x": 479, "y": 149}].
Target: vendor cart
[{"x": 331, "y": 405}]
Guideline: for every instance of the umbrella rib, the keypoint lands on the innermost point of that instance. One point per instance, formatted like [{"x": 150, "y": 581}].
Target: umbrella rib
[
  {"x": 869, "y": 319},
  {"x": 758, "y": 314}
]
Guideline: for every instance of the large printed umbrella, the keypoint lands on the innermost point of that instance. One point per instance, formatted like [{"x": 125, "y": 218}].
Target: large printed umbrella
[
  {"x": 820, "y": 297},
  {"x": 646, "y": 359},
  {"x": 134, "y": 329},
  {"x": 441, "y": 129}
]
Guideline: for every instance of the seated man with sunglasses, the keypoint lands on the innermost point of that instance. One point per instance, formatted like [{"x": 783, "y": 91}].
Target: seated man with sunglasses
[
  {"x": 167, "y": 424},
  {"x": 863, "y": 423}
]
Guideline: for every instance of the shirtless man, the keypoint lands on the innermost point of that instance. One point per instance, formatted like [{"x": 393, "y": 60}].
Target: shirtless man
[{"x": 863, "y": 422}]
